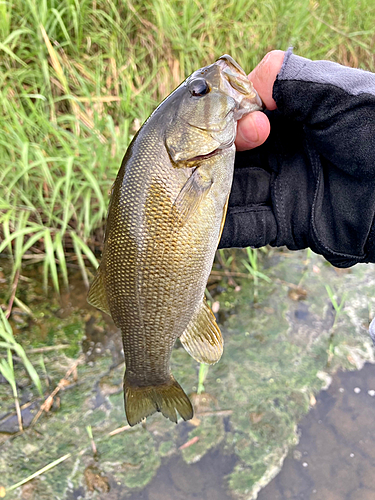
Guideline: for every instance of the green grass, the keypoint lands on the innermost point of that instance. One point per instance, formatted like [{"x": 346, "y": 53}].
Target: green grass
[
  {"x": 338, "y": 306},
  {"x": 203, "y": 370},
  {"x": 9, "y": 343},
  {"x": 77, "y": 78}
]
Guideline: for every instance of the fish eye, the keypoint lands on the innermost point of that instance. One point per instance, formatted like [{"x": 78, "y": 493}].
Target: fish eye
[{"x": 199, "y": 87}]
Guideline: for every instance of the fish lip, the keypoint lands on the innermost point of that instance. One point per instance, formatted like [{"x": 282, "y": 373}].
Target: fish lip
[
  {"x": 239, "y": 87},
  {"x": 227, "y": 61}
]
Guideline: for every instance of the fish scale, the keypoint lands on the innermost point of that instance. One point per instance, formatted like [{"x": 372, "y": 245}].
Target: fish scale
[{"x": 165, "y": 218}]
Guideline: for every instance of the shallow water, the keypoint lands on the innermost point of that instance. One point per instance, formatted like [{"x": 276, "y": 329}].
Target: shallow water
[
  {"x": 179, "y": 481},
  {"x": 335, "y": 458},
  {"x": 280, "y": 349}
]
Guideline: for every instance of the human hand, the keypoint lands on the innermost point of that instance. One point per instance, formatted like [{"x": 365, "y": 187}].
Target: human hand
[
  {"x": 312, "y": 183},
  {"x": 254, "y": 128}
]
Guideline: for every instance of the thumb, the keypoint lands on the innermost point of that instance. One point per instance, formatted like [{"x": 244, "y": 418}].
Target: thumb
[
  {"x": 264, "y": 75},
  {"x": 254, "y": 128}
]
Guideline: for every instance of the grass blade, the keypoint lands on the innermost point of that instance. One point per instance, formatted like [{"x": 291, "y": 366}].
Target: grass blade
[
  {"x": 7, "y": 334},
  {"x": 85, "y": 249},
  {"x": 39, "y": 472},
  {"x": 50, "y": 259},
  {"x": 61, "y": 257}
]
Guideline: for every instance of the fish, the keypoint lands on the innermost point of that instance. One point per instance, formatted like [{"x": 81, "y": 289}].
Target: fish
[{"x": 166, "y": 214}]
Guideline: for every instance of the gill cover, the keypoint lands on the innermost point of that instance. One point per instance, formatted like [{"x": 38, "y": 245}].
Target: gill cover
[{"x": 213, "y": 98}]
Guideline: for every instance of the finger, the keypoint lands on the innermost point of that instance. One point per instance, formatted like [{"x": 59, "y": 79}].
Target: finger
[
  {"x": 264, "y": 75},
  {"x": 252, "y": 131}
]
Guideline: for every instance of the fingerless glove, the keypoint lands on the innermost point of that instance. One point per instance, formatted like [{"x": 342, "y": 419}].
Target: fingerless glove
[{"x": 312, "y": 183}]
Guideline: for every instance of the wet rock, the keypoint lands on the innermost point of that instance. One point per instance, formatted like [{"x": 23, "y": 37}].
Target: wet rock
[{"x": 9, "y": 424}]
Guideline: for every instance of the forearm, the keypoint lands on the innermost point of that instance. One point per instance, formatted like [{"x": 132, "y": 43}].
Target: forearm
[
  {"x": 336, "y": 104},
  {"x": 336, "y": 107},
  {"x": 312, "y": 183}
]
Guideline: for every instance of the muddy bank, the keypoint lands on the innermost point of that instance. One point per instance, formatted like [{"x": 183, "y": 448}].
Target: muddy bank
[{"x": 283, "y": 340}]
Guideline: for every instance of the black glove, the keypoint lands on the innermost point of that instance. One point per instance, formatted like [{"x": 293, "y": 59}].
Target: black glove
[{"x": 312, "y": 183}]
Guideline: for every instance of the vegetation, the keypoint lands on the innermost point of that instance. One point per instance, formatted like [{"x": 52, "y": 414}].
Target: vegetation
[
  {"x": 79, "y": 77},
  {"x": 274, "y": 361},
  {"x": 8, "y": 342}
]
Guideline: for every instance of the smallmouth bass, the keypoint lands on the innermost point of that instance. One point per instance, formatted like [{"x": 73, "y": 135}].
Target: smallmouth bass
[{"x": 165, "y": 218}]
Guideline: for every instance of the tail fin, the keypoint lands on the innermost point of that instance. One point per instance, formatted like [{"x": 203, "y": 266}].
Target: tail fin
[{"x": 141, "y": 402}]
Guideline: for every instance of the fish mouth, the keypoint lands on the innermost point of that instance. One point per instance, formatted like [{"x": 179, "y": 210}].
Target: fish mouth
[
  {"x": 228, "y": 61},
  {"x": 236, "y": 84}
]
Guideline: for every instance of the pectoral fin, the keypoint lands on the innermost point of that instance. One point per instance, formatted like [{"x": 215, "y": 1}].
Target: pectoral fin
[
  {"x": 191, "y": 196},
  {"x": 97, "y": 295},
  {"x": 202, "y": 338}
]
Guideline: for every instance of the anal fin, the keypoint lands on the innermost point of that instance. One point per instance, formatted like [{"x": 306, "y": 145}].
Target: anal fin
[
  {"x": 97, "y": 296},
  {"x": 202, "y": 338}
]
